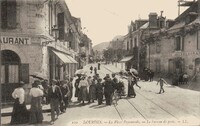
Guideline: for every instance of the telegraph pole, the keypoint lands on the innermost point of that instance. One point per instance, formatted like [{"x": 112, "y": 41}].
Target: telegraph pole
[{"x": 0, "y": 80}]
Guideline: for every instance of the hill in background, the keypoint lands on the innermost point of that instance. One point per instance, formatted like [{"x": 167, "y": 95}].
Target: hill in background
[{"x": 100, "y": 47}]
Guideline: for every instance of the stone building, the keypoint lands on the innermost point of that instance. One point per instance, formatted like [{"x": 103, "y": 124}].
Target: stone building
[
  {"x": 37, "y": 37},
  {"x": 176, "y": 49}
]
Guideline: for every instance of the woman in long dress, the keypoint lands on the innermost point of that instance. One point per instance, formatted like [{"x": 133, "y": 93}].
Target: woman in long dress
[
  {"x": 20, "y": 114},
  {"x": 131, "y": 81},
  {"x": 36, "y": 108},
  {"x": 83, "y": 85},
  {"x": 92, "y": 90}
]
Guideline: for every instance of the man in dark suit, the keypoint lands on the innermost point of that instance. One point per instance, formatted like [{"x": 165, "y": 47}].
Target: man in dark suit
[
  {"x": 108, "y": 89},
  {"x": 55, "y": 97}
]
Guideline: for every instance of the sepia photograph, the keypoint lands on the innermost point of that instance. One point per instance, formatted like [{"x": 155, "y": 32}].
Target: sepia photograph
[{"x": 100, "y": 62}]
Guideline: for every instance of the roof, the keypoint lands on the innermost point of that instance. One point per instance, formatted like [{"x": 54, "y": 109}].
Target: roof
[
  {"x": 196, "y": 21},
  {"x": 177, "y": 26},
  {"x": 145, "y": 26},
  {"x": 126, "y": 59}
]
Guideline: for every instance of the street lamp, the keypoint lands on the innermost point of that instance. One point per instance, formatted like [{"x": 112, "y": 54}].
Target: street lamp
[{"x": 55, "y": 32}]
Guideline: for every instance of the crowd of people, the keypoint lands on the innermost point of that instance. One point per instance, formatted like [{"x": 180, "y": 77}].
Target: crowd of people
[
  {"x": 59, "y": 94},
  {"x": 111, "y": 88}
]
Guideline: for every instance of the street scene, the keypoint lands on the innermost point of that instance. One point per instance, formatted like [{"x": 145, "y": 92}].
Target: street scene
[
  {"x": 177, "y": 106},
  {"x": 100, "y": 63}
]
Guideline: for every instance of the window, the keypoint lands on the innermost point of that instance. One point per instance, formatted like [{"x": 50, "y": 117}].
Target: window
[
  {"x": 13, "y": 72},
  {"x": 179, "y": 43},
  {"x": 170, "y": 66},
  {"x": 158, "y": 47},
  {"x": 198, "y": 40},
  {"x": 61, "y": 26},
  {"x": 127, "y": 45},
  {"x": 157, "y": 63},
  {"x": 8, "y": 14},
  {"x": 131, "y": 43},
  {"x": 135, "y": 42}
]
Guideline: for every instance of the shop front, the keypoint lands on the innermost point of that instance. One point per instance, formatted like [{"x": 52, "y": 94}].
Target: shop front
[{"x": 61, "y": 65}]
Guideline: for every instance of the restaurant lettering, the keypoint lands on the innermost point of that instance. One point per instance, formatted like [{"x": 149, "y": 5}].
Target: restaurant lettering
[
  {"x": 15, "y": 40},
  {"x": 187, "y": 53}
]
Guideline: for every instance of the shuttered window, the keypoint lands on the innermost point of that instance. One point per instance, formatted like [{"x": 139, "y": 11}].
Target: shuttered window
[
  {"x": 3, "y": 74},
  {"x": 198, "y": 40},
  {"x": 61, "y": 26},
  {"x": 8, "y": 14},
  {"x": 179, "y": 43},
  {"x": 157, "y": 63},
  {"x": 24, "y": 73},
  {"x": 13, "y": 72}
]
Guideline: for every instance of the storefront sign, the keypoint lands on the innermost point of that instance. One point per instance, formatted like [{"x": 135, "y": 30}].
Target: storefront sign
[
  {"x": 187, "y": 53},
  {"x": 15, "y": 40}
]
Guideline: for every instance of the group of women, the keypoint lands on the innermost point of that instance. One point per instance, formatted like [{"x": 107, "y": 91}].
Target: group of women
[
  {"x": 20, "y": 114},
  {"x": 39, "y": 94},
  {"x": 90, "y": 89}
]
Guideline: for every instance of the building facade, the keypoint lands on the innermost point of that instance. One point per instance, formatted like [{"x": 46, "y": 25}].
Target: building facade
[
  {"x": 176, "y": 50},
  {"x": 37, "y": 36}
]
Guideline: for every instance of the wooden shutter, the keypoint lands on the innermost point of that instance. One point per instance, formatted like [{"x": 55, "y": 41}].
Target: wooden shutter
[
  {"x": 61, "y": 26},
  {"x": 3, "y": 14},
  {"x": 182, "y": 42},
  {"x": 24, "y": 73},
  {"x": 11, "y": 14}
]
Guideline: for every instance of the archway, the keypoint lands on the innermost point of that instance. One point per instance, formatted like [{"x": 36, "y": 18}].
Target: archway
[
  {"x": 197, "y": 68},
  {"x": 9, "y": 74},
  {"x": 179, "y": 65}
]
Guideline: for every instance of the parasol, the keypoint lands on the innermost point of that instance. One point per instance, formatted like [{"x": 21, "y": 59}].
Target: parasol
[
  {"x": 38, "y": 75},
  {"x": 80, "y": 71},
  {"x": 134, "y": 71}
]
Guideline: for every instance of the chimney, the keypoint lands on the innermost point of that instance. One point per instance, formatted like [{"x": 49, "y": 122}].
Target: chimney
[{"x": 153, "y": 20}]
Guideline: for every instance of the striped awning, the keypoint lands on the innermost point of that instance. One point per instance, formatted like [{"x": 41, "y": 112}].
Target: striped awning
[{"x": 64, "y": 57}]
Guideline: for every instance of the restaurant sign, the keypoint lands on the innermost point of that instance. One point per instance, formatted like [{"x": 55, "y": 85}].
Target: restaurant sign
[{"x": 15, "y": 40}]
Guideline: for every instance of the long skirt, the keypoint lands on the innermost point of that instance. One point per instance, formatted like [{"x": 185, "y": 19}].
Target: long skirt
[
  {"x": 131, "y": 91},
  {"x": 84, "y": 93},
  {"x": 36, "y": 111},
  {"x": 92, "y": 92},
  {"x": 20, "y": 114}
]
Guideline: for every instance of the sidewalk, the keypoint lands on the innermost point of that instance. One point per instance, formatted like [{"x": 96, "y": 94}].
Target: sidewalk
[{"x": 8, "y": 110}]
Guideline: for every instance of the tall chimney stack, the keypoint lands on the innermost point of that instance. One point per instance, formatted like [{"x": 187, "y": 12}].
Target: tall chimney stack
[{"x": 153, "y": 21}]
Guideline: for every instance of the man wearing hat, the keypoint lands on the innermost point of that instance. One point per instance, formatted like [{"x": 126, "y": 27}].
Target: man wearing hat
[
  {"x": 108, "y": 89},
  {"x": 55, "y": 97}
]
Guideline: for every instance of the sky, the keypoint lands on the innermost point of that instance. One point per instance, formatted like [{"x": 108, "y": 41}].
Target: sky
[{"x": 102, "y": 20}]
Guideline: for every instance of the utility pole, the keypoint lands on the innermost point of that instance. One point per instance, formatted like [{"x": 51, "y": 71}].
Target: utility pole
[
  {"x": 179, "y": 7},
  {"x": 0, "y": 79}
]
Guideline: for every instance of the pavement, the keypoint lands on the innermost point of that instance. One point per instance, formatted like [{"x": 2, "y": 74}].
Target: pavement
[{"x": 177, "y": 107}]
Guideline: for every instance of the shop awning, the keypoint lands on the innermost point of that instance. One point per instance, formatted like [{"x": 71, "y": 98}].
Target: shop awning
[
  {"x": 126, "y": 59},
  {"x": 72, "y": 59},
  {"x": 65, "y": 58}
]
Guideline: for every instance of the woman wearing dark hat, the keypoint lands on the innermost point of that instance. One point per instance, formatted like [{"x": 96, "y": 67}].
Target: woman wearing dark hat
[
  {"x": 131, "y": 83},
  {"x": 36, "y": 108},
  {"x": 20, "y": 114}
]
